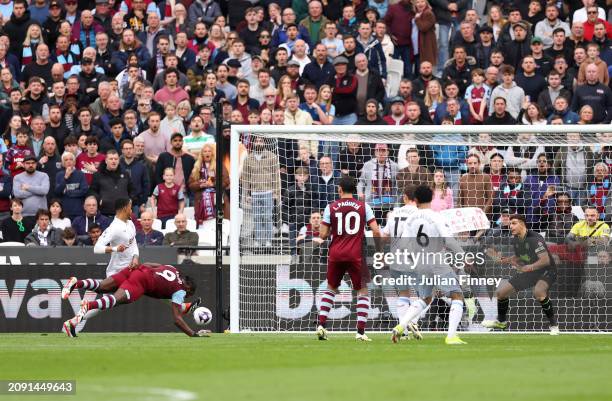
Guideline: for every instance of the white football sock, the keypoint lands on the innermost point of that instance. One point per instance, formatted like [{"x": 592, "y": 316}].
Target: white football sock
[
  {"x": 89, "y": 315},
  {"x": 413, "y": 311},
  {"x": 454, "y": 317}
]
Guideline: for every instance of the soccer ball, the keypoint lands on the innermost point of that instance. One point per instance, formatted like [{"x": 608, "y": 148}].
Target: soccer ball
[{"x": 202, "y": 316}]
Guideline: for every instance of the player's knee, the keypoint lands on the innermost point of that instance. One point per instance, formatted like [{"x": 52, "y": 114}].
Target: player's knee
[{"x": 539, "y": 294}]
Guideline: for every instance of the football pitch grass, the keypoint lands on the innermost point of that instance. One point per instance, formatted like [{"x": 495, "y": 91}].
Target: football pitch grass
[{"x": 285, "y": 367}]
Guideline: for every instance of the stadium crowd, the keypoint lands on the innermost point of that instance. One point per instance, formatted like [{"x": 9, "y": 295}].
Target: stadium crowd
[{"x": 107, "y": 99}]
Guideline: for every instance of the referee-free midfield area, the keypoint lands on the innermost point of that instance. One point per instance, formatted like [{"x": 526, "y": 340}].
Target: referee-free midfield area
[{"x": 286, "y": 367}]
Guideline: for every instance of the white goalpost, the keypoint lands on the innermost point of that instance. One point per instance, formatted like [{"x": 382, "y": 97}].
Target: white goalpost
[{"x": 280, "y": 180}]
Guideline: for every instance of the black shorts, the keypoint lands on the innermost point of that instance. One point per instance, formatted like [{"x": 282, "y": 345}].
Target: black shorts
[{"x": 523, "y": 281}]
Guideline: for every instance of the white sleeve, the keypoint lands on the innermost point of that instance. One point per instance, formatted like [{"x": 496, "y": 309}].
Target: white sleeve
[
  {"x": 327, "y": 216},
  {"x": 388, "y": 227},
  {"x": 369, "y": 214},
  {"x": 104, "y": 240}
]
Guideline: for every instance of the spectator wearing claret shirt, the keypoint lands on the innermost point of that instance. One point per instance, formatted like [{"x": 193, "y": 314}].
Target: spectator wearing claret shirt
[{"x": 399, "y": 21}]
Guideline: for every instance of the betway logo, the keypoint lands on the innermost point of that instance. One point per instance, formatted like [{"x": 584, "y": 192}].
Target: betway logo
[
  {"x": 45, "y": 301},
  {"x": 10, "y": 260}
]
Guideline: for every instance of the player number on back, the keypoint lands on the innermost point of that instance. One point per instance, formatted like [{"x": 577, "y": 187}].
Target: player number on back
[
  {"x": 167, "y": 274},
  {"x": 348, "y": 224},
  {"x": 422, "y": 238}
]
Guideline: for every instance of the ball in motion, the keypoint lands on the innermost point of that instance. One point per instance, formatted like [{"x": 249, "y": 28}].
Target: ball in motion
[{"x": 202, "y": 316}]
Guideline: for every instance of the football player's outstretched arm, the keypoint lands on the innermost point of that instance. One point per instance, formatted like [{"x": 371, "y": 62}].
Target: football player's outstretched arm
[{"x": 180, "y": 323}]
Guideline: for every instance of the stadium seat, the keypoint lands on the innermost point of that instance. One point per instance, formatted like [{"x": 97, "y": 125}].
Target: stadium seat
[
  {"x": 189, "y": 212},
  {"x": 157, "y": 224},
  {"x": 170, "y": 226},
  {"x": 395, "y": 70},
  {"x": 12, "y": 244}
]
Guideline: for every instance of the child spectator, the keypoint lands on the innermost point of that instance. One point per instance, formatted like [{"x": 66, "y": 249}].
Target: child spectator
[
  {"x": 168, "y": 197},
  {"x": 477, "y": 96}
]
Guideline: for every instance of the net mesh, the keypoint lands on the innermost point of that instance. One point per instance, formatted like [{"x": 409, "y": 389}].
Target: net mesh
[{"x": 560, "y": 182}]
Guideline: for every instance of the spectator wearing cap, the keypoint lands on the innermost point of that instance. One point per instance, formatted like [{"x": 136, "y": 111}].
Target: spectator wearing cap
[
  {"x": 41, "y": 67},
  {"x": 52, "y": 22},
  {"x": 595, "y": 94},
  {"x": 484, "y": 48},
  {"x": 544, "y": 64},
  {"x": 399, "y": 21},
  {"x": 32, "y": 187},
  {"x": 377, "y": 183},
  {"x": 397, "y": 115},
  {"x": 370, "y": 115},
  {"x": 89, "y": 79},
  {"x": 546, "y": 27},
  {"x": 319, "y": 71},
  {"x": 516, "y": 49},
  {"x": 344, "y": 96}
]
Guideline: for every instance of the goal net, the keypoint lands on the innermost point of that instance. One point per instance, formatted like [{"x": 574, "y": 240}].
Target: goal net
[{"x": 557, "y": 177}]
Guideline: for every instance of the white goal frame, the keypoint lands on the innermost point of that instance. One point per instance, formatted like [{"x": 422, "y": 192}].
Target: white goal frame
[{"x": 550, "y": 137}]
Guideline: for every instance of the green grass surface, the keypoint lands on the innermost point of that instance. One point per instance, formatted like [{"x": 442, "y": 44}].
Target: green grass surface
[{"x": 151, "y": 367}]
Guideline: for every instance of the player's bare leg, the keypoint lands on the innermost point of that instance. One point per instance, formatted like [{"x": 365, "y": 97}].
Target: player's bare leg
[
  {"x": 503, "y": 294},
  {"x": 363, "y": 308},
  {"x": 540, "y": 292},
  {"x": 406, "y": 321},
  {"x": 327, "y": 302}
]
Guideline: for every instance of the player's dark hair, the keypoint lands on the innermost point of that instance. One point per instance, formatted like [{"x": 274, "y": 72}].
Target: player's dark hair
[
  {"x": 190, "y": 282},
  {"x": 348, "y": 185},
  {"x": 121, "y": 203},
  {"x": 519, "y": 217},
  {"x": 423, "y": 194},
  {"x": 409, "y": 191},
  {"x": 43, "y": 212}
]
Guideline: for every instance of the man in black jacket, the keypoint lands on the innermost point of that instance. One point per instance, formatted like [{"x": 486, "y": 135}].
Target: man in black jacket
[
  {"x": 448, "y": 13},
  {"x": 110, "y": 183},
  {"x": 344, "y": 95},
  {"x": 515, "y": 50},
  {"x": 370, "y": 79},
  {"x": 18, "y": 25},
  {"x": 89, "y": 79},
  {"x": 459, "y": 70},
  {"x": 177, "y": 159},
  {"x": 421, "y": 82},
  {"x": 500, "y": 116},
  {"x": 596, "y": 95}
]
